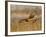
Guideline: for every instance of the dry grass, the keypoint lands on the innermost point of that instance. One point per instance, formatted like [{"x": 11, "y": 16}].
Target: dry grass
[
  {"x": 30, "y": 25},
  {"x": 26, "y": 26}
]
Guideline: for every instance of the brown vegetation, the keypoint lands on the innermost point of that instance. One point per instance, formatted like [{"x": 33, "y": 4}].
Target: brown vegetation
[{"x": 25, "y": 18}]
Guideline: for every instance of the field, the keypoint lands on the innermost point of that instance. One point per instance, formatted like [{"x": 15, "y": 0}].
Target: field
[{"x": 25, "y": 18}]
